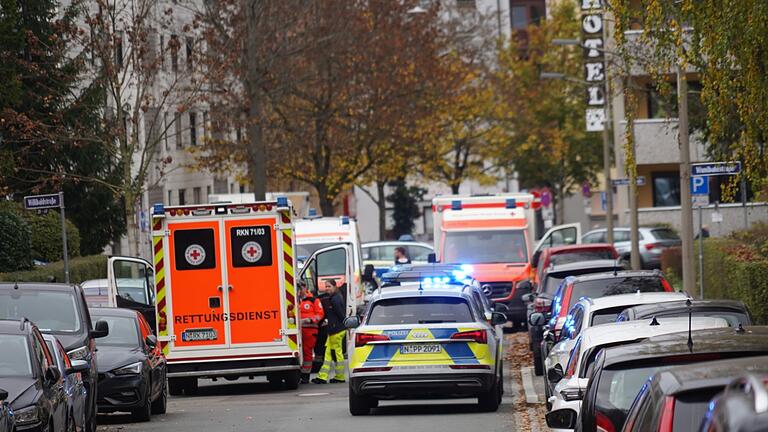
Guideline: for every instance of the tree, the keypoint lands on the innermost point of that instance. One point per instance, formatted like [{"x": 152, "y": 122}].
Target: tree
[
  {"x": 15, "y": 243},
  {"x": 405, "y": 200},
  {"x": 725, "y": 42},
  {"x": 544, "y": 120}
]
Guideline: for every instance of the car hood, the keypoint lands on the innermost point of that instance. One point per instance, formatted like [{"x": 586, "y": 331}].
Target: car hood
[
  {"x": 21, "y": 391},
  {"x": 500, "y": 272},
  {"x": 113, "y": 357}
]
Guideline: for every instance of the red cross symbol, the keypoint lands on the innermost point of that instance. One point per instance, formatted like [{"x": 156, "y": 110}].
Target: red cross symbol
[
  {"x": 252, "y": 251},
  {"x": 195, "y": 254}
]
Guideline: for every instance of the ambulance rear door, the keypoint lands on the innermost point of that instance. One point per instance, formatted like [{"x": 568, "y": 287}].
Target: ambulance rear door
[
  {"x": 333, "y": 262},
  {"x": 130, "y": 285}
]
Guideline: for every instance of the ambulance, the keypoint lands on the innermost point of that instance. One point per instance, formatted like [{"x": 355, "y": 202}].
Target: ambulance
[
  {"x": 494, "y": 236},
  {"x": 222, "y": 287}
]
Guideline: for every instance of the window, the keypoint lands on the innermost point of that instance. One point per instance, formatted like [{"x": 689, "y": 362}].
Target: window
[
  {"x": 519, "y": 17},
  {"x": 621, "y": 236},
  {"x": 170, "y": 197},
  {"x": 205, "y": 124},
  {"x": 332, "y": 263},
  {"x": 242, "y": 188},
  {"x": 595, "y": 237},
  {"x": 485, "y": 247},
  {"x": 429, "y": 222},
  {"x": 177, "y": 130},
  {"x": 196, "y": 195},
  {"x": 182, "y": 197},
  {"x": 52, "y": 311},
  {"x": 173, "y": 45},
  {"x": 614, "y": 286},
  {"x": 666, "y": 189},
  {"x": 122, "y": 332},
  {"x": 190, "y": 43},
  {"x": 420, "y": 310},
  {"x": 119, "y": 50},
  {"x": 14, "y": 357},
  {"x": 207, "y": 192},
  {"x": 193, "y": 128},
  {"x": 162, "y": 52},
  {"x": 418, "y": 253}
]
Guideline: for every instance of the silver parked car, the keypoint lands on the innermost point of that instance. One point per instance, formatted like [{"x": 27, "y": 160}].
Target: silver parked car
[{"x": 653, "y": 241}]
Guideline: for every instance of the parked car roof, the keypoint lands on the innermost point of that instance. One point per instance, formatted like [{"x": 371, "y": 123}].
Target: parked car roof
[
  {"x": 583, "y": 265},
  {"x": 647, "y": 311},
  {"x": 396, "y": 243},
  {"x": 618, "y": 300},
  {"x": 707, "y": 374},
  {"x": 38, "y": 286},
  {"x": 113, "y": 311},
  {"x": 618, "y": 274},
  {"x": 12, "y": 327},
  {"x": 577, "y": 247}
]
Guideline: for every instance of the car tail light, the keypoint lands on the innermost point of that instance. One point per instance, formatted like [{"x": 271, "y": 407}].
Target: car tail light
[
  {"x": 373, "y": 369},
  {"x": 603, "y": 423},
  {"x": 479, "y": 336},
  {"x": 362, "y": 339},
  {"x": 471, "y": 366},
  {"x": 667, "y": 415},
  {"x": 650, "y": 246}
]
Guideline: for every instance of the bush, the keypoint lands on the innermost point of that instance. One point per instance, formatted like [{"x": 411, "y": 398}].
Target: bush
[
  {"x": 80, "y": 269},
  {"x": 46, "y": 237},
  {"x": 15, "y": 243}
]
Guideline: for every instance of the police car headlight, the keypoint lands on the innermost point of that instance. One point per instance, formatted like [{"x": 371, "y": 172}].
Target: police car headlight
[
  {"x": 81, "y": 353},
  {"x": 131, "y": 369},
  {"x": 26, "y": 416}
]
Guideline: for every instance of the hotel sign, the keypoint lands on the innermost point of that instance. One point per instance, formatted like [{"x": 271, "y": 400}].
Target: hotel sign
[{"x": 594, "y": 62}]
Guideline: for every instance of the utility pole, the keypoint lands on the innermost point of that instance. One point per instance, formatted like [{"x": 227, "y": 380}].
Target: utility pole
[
  {"x": 686, "y": 210},
  {"x": 607, "y": 155},
  {"x": 634, "y": 235}
]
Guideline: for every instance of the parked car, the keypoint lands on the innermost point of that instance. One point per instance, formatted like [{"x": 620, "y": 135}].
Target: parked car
[
  {"x": 589, "y": 312},
  {"x": 29, "y": 374},
  {"x": 6, "y": 413},
  {"x": 96, "y": 292},
  {"x": 619, "y": 372},
  {"x": 74, "y": 389},
  {"x": 653, "y": 241},
  {"x": 564, "y": 384},
  {"x": 677, "y": 399},
  {"x": 569, "y": 254},
  {"x": 382, "y": 254},
  {"x": 59, "y": 309},
  {"x": 743, "y": 406},
  {"x": 733, "y": 311},
  {"x": 132, "y": 370}
]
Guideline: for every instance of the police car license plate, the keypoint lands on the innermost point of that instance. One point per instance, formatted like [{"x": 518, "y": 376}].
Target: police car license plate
[
  {"x": 199, "y": 335},
  {"x": 420, "y": 349}
]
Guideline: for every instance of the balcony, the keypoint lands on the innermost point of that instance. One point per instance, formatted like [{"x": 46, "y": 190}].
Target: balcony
[{"x": 656, "y": 142}]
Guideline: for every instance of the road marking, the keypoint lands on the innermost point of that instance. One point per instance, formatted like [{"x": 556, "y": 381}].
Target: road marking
[
  {"x": 530, "y": 391},
  {"x": 312, "y": 394}
]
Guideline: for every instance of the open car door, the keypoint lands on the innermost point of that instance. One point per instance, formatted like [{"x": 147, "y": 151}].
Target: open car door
[
  {"x": 333, "y": 262},
  {"x": 560, "y": 235},
  {"x": 131, "y": 286}
]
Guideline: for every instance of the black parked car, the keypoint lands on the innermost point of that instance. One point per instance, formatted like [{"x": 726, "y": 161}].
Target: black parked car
[
  {"x": 733, "y": 311},
  {"x": 34, "y": 384},
  {"x": 60, "y": 310},
  {"x": 619, "y": 372},
  {"x": 6, "y": 414},
  {"x": 743, "y": 406},
  {"x": 132, "y": 368}
]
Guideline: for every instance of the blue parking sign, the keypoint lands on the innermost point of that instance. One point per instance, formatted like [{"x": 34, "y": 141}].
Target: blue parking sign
[{"x": 699, "y": 185}]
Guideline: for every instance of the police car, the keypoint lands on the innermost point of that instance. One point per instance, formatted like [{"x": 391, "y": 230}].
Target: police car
[{"x": 424, "y": 339}]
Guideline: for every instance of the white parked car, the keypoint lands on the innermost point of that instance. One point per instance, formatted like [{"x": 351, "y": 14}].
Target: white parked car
[{"x": 572, "y": 382}]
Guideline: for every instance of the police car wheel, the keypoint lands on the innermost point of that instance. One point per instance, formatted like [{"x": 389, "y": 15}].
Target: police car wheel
[
  {"x": 359, "y": 405},
  {"x": 489, "y": 401}
]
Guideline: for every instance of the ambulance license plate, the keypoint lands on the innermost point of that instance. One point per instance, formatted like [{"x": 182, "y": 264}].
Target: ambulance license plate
[
  {"x": 199, "y": 335},
  {"x": 420, "y": 349}
]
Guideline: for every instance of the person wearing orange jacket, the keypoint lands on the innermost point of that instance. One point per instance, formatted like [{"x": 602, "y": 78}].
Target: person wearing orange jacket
[{"x": 311, "y": 314}]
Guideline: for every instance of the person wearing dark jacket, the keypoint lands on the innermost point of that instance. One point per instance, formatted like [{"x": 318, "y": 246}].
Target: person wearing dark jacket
[{"x": 334, "y": 315}]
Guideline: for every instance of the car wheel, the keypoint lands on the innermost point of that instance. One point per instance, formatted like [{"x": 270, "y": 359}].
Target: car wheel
[
  {"x": 489, "y": 401},
  {"x": 90, "y": 425},
  {"x": 190, "y": 386},
  {"x": 275, "y": 381},
  {"x": 359, "y": 405},
  {"x": 538, "y": 363},
  {"x": 144, "y": 413},
  {"x": 175, "y": 386},
  {"x": 292, "y": 380},
  {"x": 160, "y": 405}
]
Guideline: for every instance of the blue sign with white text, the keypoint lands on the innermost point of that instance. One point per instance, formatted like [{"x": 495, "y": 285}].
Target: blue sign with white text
[
  {"x": 699, "y": 185},
  {"x": 715, "y": 168}
]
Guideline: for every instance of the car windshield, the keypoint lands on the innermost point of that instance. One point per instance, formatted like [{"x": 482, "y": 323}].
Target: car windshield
[
  {"x": 51, "y": 311},
  {"x": 122, "y": 331},
  {"x": 617, "y": 389},
  {"x": 14, "y": 357},
  {"x": 420, "y": 310},
  {"x": 578, "y": 256},
  {"x": 664, "y": 234},
  {"x": 304, "y": 251},
  {"x": 609, "y": 315},
  {"x": 613, "y": 286},
  {"x": 479, "y": 247}
]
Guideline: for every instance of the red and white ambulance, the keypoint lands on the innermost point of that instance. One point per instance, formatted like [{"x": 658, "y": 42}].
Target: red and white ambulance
[
  {"x": 223, "y": 288},
  {"x": 494, "y": 235}
]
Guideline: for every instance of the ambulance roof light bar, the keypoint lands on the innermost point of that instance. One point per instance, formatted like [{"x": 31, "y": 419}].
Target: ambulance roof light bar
[
  {"x": 158, "y": 209},
  {"x": 282, "y": 202},
  {"x": 345, "y": 220},
  {"x": 456, "y": 205},
  {"x": 511, "y": 203}
]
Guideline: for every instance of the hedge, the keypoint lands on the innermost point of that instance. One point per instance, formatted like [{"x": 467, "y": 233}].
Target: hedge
[
  {"x": 45, "y": 231},
  {"x": 80, "y": 269},
  {"x": 15, "y": 242}
]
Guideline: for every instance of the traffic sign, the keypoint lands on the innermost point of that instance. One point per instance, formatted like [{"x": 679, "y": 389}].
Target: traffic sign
[
  {"x": 715, "y": 168},
  {"x": 625, "y": 181},
  {"x": 700, "y": 200},
  {"x": 34, "y": 202},
  {"x": 546, "y": 198},
  {"x": 699, "y": 185}
]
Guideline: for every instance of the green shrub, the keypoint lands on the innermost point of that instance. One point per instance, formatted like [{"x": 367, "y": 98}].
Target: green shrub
[
  {"x": 80, "y": 269},
  {"x": 15, "y": 243},
  {"x": 46, "y": 237}
]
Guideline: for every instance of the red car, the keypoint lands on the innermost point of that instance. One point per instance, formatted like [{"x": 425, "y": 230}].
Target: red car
[{"x": 557, "y": 255}]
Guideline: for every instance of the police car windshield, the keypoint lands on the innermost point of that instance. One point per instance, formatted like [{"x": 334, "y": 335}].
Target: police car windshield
[
  {"x": 51, "y": 311},
  {"x": 14, "y": 357},
  {"x": 482, "y": 247},
  {"x": 420, "y": 310}
]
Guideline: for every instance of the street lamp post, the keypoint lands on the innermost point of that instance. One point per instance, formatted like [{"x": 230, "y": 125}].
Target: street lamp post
[{"x": 686, "y": 210}]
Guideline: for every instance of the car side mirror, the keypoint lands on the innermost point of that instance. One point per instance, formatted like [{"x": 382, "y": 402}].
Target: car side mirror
[
  {"x": 535, "y": 258},
  {"x": 52, "y": 374},
  {"x": 78, "y": 366},
  {"x": 500, "y": 307},
  {"x": 3, "y": 395},
  {"x": 537, "y": 319},
  {"x": 498, "y": 318},
  {"x": 368, "y": 271},
  {"x": 555, "y": 374},
  {"x": 562, "y": 419},
  {"x": 432, "y": 258},
  {"x": 352, "y": 322},
  {"x": 151, "y": 341},
  {"x": 528, "y": 298},
  {"x": 101, "y": 329}
]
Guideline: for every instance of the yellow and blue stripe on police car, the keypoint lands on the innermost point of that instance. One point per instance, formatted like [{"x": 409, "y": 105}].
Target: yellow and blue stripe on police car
[{"x": 452, "y": 352}]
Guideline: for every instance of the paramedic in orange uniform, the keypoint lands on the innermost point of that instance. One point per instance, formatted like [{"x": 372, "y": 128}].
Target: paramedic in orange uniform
[{"x": 311, "y": 314}]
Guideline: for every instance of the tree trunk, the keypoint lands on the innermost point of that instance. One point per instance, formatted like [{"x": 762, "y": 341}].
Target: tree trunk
[
  {"x": 256, "y": 148},
  {"x": 256, "y": 155},
  {"x": 560, "y": 207},
  {"x": 326, "y": 201},
  {"x": 132, "y": 231},
  {"x": 455, "y": 188},
  {"x": 381, "y": 204}
]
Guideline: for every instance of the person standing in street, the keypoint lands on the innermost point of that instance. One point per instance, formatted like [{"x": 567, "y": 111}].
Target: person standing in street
[
  {"x": 334, "y": 316},
  {"x": 311, "y": 314},
  {"x": 401, "y": 256}
]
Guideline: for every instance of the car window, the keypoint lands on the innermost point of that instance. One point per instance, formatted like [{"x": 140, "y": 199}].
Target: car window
[
  {"x": 122, "y": 332},
  {"x": 14, "y": 357},
  {"x": 418, "y": 253},
  {"x": 595, "y": 237},
  {"x": 617, "y": 390},
  {"x": 385, "y": 253},
  {"x": 420, "y": 310},
  {"x": 306, "y": 250},
  {"x": 664, "y": 234},
  {"x": 473, "y": 247},
  {"x": 733, "y": 318},
  {"x": 604, "y": 316},
  {"x": 41, "y": 353},
  {"x": 631, "y": 422},
  {"x": 51, "y": 311},
  {"x": 692, "y": 405},
  {"x": 578, "y": 256},
  {"x": 573, "y": 360},
  {"x": 332, "y": 263},
  {"x": 615, "y": 285},
  {"x": 621, "y": 236},
  {"x": 551, "y": 284}
]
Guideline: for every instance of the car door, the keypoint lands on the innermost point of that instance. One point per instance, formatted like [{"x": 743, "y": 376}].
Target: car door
[
  {"x": 154, "y": 357},
  {"x": 131, "y": 286},
  {"x": 333, "y": 263},
  {"x": 560, "y": 235}
]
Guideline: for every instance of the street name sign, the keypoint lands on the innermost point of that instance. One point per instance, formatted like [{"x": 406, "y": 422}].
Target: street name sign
[
  {"x": 35, "y": 202},
  {"x": 715, "y": 168},
  {"x": 625, "y": 181}
]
